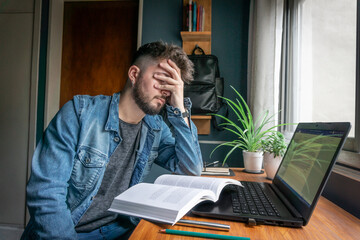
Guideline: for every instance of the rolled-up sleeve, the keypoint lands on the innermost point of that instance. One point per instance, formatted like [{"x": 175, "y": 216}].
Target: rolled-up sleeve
[{"x": 179, "y": 149}]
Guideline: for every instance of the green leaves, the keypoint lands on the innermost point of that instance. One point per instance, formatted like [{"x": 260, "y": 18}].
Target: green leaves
[
  {"x": 248, "y": 132},
  {"x": 274, "y": 143}
]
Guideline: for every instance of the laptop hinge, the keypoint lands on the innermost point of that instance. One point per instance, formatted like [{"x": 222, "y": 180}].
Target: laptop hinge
[{"x": 289, "y": 206}]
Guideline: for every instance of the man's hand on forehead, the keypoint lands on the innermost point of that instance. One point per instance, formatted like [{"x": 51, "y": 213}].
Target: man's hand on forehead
[
  {"x": 172, "y": 83},
  {"x": 170, "y": 77}
]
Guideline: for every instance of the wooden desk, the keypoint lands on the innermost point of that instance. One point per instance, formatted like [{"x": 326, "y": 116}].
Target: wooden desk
[{"x": 327, "y": 222}]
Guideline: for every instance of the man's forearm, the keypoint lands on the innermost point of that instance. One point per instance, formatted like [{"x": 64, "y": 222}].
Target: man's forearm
[{"x": 184, "y": 157}]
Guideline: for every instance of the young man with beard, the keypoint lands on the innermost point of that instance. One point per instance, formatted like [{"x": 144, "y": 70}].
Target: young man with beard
[{"x": 97, "y": 147}]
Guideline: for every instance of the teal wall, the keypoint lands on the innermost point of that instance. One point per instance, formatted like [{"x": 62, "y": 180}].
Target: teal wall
[
  {"x": 230, "y": 21},
  {"x": 42, "y": 68}
]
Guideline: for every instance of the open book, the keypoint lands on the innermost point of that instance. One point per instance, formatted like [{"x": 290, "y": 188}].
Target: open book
[{"x": 169, "y": 198}]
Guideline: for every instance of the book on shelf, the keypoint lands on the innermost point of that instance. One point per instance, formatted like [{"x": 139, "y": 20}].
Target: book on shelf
[
  {"x": 189, "y": 16},
  {"x": 194, "y": 21},
  {"x": 201, "y": 18},
  {"x": 169, "y": 198},
  {"x": 202, "y": 15},
  {"x": 195, "y": 17},
  {"x": 198, "y": 18}
]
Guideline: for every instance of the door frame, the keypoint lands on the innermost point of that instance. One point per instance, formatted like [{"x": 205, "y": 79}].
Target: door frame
[{"x": 54, "y": 54}]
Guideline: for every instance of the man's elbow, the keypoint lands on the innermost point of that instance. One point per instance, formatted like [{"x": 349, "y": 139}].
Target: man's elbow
[
  {"x": 197, "y": 171},
  {"x": 193, "y": 169}
]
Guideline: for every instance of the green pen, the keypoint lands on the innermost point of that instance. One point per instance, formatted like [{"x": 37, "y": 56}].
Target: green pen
[{"x": 204, "y": 235}]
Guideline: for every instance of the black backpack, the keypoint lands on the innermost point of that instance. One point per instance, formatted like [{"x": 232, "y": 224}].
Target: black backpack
[{"x": 207, "y": 84}]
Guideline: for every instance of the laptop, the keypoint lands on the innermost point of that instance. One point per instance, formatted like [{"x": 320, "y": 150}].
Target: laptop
[{"x": 292, "y": 196}]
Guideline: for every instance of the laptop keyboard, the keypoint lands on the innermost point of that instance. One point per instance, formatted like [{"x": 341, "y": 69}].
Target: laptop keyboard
[{"x": 251, "y": 199}]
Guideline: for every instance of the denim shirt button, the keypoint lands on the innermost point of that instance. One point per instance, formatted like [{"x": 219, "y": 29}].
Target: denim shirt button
[
  {"x": 87, "y": 160},
  {"x": 176, "y": 112},
  {"x": 116, "y": 139}
]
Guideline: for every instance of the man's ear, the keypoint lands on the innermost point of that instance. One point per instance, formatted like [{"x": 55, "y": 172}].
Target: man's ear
[{"x": 133, "y": 73}]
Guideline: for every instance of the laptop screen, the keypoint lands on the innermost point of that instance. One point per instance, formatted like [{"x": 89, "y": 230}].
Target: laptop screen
[{"x": 308, "y": 161}]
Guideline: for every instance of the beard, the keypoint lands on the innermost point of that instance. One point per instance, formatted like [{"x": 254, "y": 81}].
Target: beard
[{"x": 144, "y": 101}]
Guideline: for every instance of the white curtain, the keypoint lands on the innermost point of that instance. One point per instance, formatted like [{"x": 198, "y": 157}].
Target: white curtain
[{"x": 265, "y": 44}]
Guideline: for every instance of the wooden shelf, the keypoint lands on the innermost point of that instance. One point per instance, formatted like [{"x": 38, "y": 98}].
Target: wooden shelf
[
  {"x": 196, "y": 36},
  {"x": 202, "y": 123},
  {"x": 200, "y": 117},
  {"x": 203, "y": 40},
  {"x": 191, "y": 39}
]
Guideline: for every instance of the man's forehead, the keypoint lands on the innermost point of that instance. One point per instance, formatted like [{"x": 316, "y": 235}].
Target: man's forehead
[
  {"x": 155, "y": 63},
  {"x": 155, "y": 67}
]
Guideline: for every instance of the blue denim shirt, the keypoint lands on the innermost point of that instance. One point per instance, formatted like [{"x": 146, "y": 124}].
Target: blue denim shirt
[{"x": 69, "y": 162}]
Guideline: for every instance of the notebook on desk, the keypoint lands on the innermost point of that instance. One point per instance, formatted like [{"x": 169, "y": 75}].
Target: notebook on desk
[{"x": 292, "y": 196}]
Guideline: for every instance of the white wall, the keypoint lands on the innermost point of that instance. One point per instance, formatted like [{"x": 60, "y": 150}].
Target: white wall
[{"x": 16, "y": 39}]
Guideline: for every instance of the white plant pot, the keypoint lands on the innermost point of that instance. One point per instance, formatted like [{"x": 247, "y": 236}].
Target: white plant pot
[
  {"x": 253, "y": 161},
  {"x": 271, "y": 164}
]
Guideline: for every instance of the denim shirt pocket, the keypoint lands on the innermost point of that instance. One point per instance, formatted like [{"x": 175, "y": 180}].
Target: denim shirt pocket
[{"x": 88, "y": 166}]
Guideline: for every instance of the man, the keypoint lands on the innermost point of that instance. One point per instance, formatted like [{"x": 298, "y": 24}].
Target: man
[{"x": 97, "y": 147}]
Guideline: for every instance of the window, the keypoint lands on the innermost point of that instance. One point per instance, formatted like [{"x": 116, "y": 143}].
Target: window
[{"x": 319, "y": 76}]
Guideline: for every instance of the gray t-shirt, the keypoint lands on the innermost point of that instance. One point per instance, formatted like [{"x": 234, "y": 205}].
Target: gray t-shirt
[{"x": 116, "y": 180}]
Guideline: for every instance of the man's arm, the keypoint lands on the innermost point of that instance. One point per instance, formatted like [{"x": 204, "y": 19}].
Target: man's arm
[
  {"x": 51, "y": 169},
  {"x": 179, "y": 150}
]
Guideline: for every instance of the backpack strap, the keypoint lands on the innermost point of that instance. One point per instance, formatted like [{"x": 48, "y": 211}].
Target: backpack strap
[
  {"x": 217, "y": 121},
  {"x": 198, "y": 48}
]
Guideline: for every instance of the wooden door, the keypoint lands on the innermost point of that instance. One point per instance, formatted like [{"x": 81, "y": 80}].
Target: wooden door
[{"x": 99, "y": 40}]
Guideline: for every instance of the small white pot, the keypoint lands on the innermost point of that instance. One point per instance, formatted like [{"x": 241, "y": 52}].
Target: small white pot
[
  {"x": 271, "y": 164},
  {"x": 253, "y": 161}
]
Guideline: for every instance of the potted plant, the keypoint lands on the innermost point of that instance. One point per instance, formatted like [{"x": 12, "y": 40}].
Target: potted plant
[
  {"x": 247, "y": 131},
  {"x": 274, "y": 147}
]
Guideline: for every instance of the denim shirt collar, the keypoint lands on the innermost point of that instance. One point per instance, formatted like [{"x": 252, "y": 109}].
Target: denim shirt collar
[{"x": 112, "y": 123}]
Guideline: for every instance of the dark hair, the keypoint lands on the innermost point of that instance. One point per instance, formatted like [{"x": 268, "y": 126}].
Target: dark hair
[{"x": 161, "y": 50}]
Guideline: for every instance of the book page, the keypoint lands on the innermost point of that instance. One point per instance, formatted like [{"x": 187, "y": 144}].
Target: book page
[
  {"x": 213, "y": 184},
  {"x": 159, "y": 202},
  {"x": 171, "y": 197}
]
